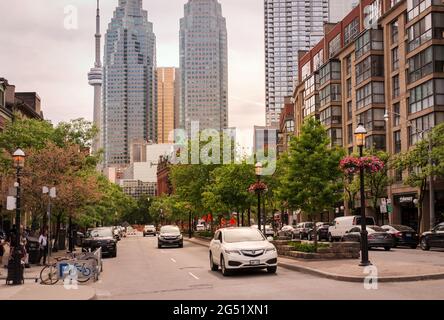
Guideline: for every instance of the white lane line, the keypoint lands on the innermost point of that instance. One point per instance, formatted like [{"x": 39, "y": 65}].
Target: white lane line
[
  {"x": 193, "y": 276},
  {"x": 173, "y": 260}
]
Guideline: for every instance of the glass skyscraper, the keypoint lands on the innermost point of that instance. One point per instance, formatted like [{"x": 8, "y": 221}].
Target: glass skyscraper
[
  {"x": 291, "y": 26},
  {"x": 129, "y": 94},
  {"x": 204, "y": 65}
]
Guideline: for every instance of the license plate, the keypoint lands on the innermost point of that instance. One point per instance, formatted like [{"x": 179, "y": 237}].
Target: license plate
[
  {"x": 408, "y": 235},
  {"x": 255, "y": 262}
]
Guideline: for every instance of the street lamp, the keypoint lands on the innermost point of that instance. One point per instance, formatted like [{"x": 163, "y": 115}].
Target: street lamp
[
  {"x": 258, "y": 170},
  {"x": 15, "y": 269},
  {"x": 360, "y": 134},
  {"x": 431, "y": 186}
]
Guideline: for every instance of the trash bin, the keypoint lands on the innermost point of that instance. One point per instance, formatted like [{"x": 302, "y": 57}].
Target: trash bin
[{"x": 33, "y": 249}]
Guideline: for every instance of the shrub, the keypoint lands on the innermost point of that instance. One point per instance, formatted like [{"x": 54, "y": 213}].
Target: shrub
[
  {"x": 306, "y": 247},
  {"x": 205, "y": 234}
]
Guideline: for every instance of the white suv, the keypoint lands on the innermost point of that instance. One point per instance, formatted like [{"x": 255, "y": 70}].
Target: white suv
[{"x": 241, "y": 248}]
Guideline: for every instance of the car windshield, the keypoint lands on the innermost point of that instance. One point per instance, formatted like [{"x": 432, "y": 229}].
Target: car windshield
[
  {"x": 377, "y": 229},
  {"x": 403, "y": 228},
  {"x": 169, "y": 229},
  {"x": 243, "y": 235},
  {"x": 368, "y": 221},
  {"x": 149, "y": 227},
  {"x": 100, "y": 233}
]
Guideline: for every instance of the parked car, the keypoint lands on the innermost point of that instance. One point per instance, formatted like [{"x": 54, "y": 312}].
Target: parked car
[
  {"x": 79, "y": 238},
  {"x": 2, "y": 235},
  {"x": 100, "y": 238},
  {"x": 286, "y": 231},
  {"x": 170, "y": 236},
  {"x": 269, "y": 232},
  {"x": 377, "y": 237},
  {"x": 433, "y": 238},
  {"x": 402, "y": 235},
  {"x": 241, "y": 248},
  {"x": 200, "y": 227},
  {"x": 302, "y": 229},
  {"x": 321, "y": 231},
  {"x": 149, "y": 230},
  {"x": 341, "y": 225}
]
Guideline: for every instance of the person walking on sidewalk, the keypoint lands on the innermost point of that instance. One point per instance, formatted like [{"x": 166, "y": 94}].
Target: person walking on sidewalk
[{"x": 43, "y": 243}]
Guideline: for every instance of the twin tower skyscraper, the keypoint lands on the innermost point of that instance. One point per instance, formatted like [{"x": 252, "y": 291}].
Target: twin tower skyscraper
[{"x": 125, "y": 94}]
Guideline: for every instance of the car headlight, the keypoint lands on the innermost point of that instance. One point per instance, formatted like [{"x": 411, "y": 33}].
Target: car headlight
[
  {"x": 270, "y": 250},
  {"x": 180, "y": 237},
  {"x": 232, "y": 252}
]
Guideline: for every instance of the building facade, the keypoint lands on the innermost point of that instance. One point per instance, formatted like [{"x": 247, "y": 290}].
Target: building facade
[
  {"x": 383, "y": 66},
  {"x": 129, "y": 95},
  {"x": 204, "y": 66},
  {"x": 168, "y": 102},
  {"x": 138, "y": 189},
  {"x": 292, "y": 26}
]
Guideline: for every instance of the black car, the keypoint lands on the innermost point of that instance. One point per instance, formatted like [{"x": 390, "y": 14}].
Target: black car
[
  {"x": 433, "y": 238},
  {"x": 321, "y": 231},
  {"x": 2, "y": 235},
  {"x": 170, "y": 236},
  {"x": 302, "y": 229},
  {"x": 402, "y": 235},
  {"x": 100, "y": 238}
]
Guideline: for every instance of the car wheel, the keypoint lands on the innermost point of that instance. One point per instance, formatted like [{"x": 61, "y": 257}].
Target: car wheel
[
  {"x": 225, "y": 272},
  {"x": 301, "y": 237},
  {"x": 181, "y": 245},
  {"x": 159, "y": 245},
  {"x": 330, "y": 238},
  {"x": 114, "y": 254},
  {"x": 424, "y": 245},
  {"x": 387, "y": 248},
  {"x": 213, "y": 266},
  {"x": 272, "y": 270},
  {"x": 309, "y": 237}
]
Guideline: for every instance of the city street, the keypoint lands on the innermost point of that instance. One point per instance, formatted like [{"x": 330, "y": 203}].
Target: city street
[{"x": 142, "y": 271}]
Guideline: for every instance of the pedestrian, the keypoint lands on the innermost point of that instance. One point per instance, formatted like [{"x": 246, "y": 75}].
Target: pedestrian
[
  {"x": 2, "y": 251},
  {"x": 43, "y": 245}
]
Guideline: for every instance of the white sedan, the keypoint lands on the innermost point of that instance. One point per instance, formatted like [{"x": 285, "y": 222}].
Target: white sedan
[{"x": 242, "y": 248}]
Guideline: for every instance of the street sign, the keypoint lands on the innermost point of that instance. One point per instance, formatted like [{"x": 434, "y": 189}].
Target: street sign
[{"x": 11, "y": 203}]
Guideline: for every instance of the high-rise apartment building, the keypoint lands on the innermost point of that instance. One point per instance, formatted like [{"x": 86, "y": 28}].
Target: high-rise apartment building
[
  {"x": 290, "y": 27},
  {"x": 382, "y": 66},
  {"x": 168, "y": 101},
  {"x": 204, "y": 65},
  {"x": 129, "y": 94}
]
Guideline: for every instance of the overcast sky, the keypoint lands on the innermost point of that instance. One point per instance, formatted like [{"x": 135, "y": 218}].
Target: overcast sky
[{"x": 37, "y": 53}]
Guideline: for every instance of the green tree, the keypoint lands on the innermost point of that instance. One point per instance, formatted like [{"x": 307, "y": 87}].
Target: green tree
[{"x": 312, "y": 181}]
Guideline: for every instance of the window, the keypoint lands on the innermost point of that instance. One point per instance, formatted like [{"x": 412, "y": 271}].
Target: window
[
  {"x": 375, "y": 141},
  {"x": 335, "y": 135},
  {"x": 395, "y": 87},
  {"x": 349, "y": 87},
  {"x": 372, "y": 92},
  {"x": 396, "y": 114},
  {"x": 416, "y": 7},
  {"x": 330, "y": 71},
  {"x": 351, "y": 31},
  {"x": 397, "y": 141},
  {"x": 372, "y": 66},
  {"x": 395, "y": 59},
  {"x": 306, "y": 70},
  {"x": 373, "y": 119},
  {"x": 394, "y": 31},
  {"x": 349, "y": 110},
  {"x": 426, "y": 95},
  {"x": 348, "y": 65},
  {"x": 419, "y": 33},
  {"x": 398, "y": 175},
  {"x": 331, "y": 115},
  {"x": 334, "y": 46},
  {"x": 311, "y": 105},
  {"x": 350, "y": 134},
  {"x": 331, "y": 93},
  {"x": 420, "y": 125},
  {"x": 318, "y": 60},
  {"x": 371, "y": 40},
  {"x": 427, "y": 61}
]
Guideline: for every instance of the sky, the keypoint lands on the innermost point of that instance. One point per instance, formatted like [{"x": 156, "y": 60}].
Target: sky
[{"x": 39, "y": 54}]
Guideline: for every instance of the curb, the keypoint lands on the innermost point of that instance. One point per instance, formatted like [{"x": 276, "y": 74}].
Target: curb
[{"x": 337, "y": 277}]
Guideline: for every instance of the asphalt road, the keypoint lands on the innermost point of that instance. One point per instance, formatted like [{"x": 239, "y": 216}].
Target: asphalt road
[{"x": 141, "y": 271}]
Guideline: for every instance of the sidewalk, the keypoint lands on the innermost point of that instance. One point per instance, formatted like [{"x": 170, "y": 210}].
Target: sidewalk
[
  {"x": 42, "y": 292},
  {"x": 388, "y": 269}
]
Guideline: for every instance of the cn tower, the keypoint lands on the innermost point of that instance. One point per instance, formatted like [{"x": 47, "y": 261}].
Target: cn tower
[{"x": 95, "y": 77}]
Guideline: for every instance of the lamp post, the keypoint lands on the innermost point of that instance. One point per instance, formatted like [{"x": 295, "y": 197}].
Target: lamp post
[
  {"x": 421, "y": 133},
  {"x": 51, "y": 192},
  {"x": 360, "y": 134},
  {"x": 15, "y": 271},
  {"x": 258, "y": 170}
]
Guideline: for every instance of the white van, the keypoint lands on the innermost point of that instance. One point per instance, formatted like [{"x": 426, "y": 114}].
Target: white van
[{"x": 341, "y": 225}]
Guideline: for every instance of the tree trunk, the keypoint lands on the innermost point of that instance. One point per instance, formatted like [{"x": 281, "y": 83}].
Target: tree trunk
[
  {"x": 249, "y": 216},
  {"x": 315, "y": 234},
  {"x": 57, "y": 232}
]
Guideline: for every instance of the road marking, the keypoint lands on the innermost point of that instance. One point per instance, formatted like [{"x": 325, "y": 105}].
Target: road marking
[
  {"x": 193, "y": 276},
  {"x": 173, "y": 260}
]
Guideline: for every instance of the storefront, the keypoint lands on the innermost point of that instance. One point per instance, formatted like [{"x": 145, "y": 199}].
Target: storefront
[{"x": 408, "y": 210}]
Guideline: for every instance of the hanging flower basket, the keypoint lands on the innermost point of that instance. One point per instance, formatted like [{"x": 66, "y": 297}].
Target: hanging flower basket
[
  {"x": 351, "y": 165},
  {"x": 258, "y": 187}
]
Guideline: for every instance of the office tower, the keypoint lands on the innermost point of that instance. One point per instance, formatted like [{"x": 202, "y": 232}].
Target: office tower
[
  {"x": 95, "y": 79},
  {"x": 290, "y": 27},
  {"x": 129, "y": 112},
  {"x": 168, "y": 92},
  {"x": 203, "y": 65}
]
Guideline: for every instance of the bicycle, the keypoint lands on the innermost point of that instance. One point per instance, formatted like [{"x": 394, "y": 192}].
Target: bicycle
[{"x": 49, "y": 275}]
